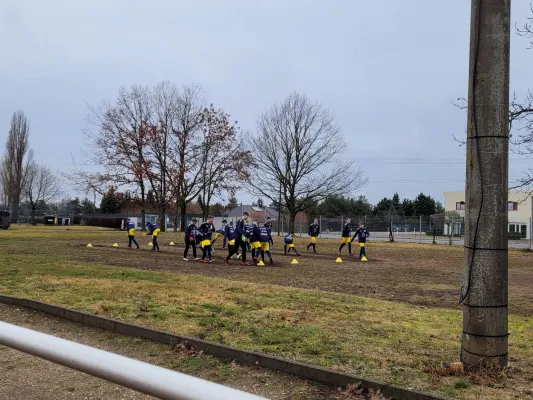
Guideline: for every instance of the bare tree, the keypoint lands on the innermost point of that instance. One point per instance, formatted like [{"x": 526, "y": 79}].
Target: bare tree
[
  {"x": 163, "y": 98},
  {"x": 224, "y": 157},
  {"x": 4, "y": 192},
  {"x": 185, "y": 164},
  {"x": 300, "y": 155},
  {"x": 15, "y": 161},
  {"x": 41, "y": 186},
  {"x": 118, "y": 142}
]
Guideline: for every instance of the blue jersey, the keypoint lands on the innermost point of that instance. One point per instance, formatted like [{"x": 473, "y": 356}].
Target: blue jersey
[
  {"x": 347, "y": 230},
  {"x": 254, "y": 237},
  {"x": 192, "y": 231},
  {"x": 314, "y": 230},
  {"x": 206, "y": 229},
  {"x": 361, "y": 234},
  {"x": 229, "y": 232},
  {"x": 239, "y": 228},
  {"x": 247, "y": 230},
  {"x": 264, "y": 235}
]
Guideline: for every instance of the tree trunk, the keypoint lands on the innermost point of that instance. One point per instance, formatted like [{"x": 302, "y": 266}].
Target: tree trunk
[
  {"x": 143, "y": 209},
  {"x": 16, "y": 208},
  {"x": 292, "y": 221},
  {"x": 162, "y": 218},
  {"x": 33, "y": 208},
  {"x": 183, "y": 212}
]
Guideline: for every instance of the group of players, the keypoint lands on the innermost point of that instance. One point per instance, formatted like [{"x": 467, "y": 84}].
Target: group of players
[{"x": 245, "y": 237}]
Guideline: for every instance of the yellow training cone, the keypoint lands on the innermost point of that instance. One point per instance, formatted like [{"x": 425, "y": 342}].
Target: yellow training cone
[
  {"x": 115, "y": 245},
  {"x": 150, "y": 244},
  {"x": 172, "y": 243},
  {"x": 261, "y": 263},
  {"x": 364, "y": 259},
  {"x": 294, "y": 261},
  {"x": 338, "y": 259},
  {"x": 89, "y": 245}
]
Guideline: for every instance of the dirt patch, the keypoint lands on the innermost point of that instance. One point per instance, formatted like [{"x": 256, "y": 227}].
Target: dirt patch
[{"x": 420, "y": 274}]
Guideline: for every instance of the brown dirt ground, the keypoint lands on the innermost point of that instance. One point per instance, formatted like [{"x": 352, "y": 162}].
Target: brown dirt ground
[
  {"x": 421, "y": 274},
  {"x": 25, "y": 377}
]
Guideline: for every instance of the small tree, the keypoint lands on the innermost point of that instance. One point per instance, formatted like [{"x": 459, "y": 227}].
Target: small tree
[
  {"x": 110, "y": 204},
  {"x": 450, "y": 217},
  {"x": 42, "y": 185}
]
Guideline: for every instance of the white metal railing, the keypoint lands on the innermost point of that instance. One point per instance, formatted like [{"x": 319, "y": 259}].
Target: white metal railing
[{"x": 137, "y": 375}]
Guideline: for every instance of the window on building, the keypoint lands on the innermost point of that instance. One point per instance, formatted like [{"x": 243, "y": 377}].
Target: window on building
[
  {"x": 511, "y": 228},
  {"x": 512, "y": 206},
  {"x": 460, "y": 206}
]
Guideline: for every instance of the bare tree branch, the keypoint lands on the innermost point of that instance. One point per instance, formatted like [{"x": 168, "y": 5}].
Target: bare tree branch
[
  {"x": 300, "y": 148},
  {"x": 42, "y": 185}
]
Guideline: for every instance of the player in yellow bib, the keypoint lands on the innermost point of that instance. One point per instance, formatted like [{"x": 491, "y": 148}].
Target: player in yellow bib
[
  {"x": 130, "y": 227},
  {"x": 314, "y": 231}
]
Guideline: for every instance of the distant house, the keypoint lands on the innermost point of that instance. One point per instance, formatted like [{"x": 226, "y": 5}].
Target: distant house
[
  {"x": 520, "y": 210},
  {"x": 255, "y": 212}
]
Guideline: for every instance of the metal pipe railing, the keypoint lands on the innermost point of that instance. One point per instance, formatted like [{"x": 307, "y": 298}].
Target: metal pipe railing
[{"x": 137, "y": 375}]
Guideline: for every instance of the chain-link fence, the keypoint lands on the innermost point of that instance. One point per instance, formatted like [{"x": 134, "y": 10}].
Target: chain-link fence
[{"x": 438, "y": 228}]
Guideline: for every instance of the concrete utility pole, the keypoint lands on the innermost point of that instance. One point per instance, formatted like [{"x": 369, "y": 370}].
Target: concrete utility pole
[{"x": 484, "y": 294}]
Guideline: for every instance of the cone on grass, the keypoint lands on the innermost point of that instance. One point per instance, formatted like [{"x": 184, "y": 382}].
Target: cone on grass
[
  {"x": 150, "y": 244},
  {"x": 115, "y": 245},
  {"x": 172, "y": 243},
  {"x": 89, "y": 245},
  {"x": 294, "y": 261},
  {"x": 364, "y": 259},
  {"x": 261, "y": 263},
  {"x": 338, "y": 260}
]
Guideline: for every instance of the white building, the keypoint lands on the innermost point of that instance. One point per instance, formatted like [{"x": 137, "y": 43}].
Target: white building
[{"x": 520, "y": 212}]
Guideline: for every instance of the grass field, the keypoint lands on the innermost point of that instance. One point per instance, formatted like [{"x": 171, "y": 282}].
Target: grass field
[{"x": 395, "y": 318}]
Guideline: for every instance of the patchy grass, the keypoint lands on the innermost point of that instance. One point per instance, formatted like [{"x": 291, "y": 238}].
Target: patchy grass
[{"x": 398, "y": 339}]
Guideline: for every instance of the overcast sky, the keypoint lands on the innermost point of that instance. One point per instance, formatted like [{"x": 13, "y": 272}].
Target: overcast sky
[{"x": 387, "y": 69}]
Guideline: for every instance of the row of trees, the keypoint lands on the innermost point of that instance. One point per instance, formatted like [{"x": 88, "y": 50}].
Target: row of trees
[
  {"x": 167, "y": 141},
  {"x": 21, "y": 177},
  {"x": 336, "y": 205}
]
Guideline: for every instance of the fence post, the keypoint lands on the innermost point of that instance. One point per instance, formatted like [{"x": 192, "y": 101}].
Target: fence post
[
  {"x": 300, "y": 227},
  {"x": 420, "y": 229},
  {"x": 530, "y": 227}
]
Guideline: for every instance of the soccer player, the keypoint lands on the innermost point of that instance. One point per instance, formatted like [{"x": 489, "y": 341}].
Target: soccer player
[
  {"x": 314, "y": 231},
  {"x": 153, "y": 229},
  {"x": 255, "y": 241},
  {"x": 346, "y": 236},
  {"x": 264, "y": 238},
  {"x": 220, "y": 233},
  {"x": 130, "y": 226},
  {"x": 240, "y": 239},
  {"x": 289, "y": 243},
  {"x": 361, "y": 233},
  {"x": 206, "y": 229},
  {"x": 269, "y": 227},
  {"x": 229, "y": 237},
  {"x": 191, "y": 233}
]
